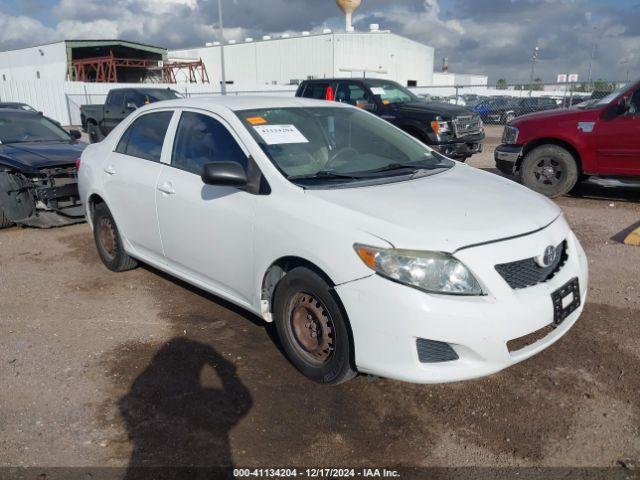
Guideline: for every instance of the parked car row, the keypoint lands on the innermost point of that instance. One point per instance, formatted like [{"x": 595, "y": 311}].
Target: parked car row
[{"x": 317, "y": 216}]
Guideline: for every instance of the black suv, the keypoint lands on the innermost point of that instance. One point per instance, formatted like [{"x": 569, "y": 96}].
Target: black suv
[{"x": 454, "y": 131}]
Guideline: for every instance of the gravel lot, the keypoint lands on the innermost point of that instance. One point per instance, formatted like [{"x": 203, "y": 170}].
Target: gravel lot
[{"x": 105, "y": 369}]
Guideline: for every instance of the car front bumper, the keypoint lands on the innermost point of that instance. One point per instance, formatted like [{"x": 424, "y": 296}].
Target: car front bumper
[
  {"x": 506, "y": 157},
  {"x": 388, "y": 318}
]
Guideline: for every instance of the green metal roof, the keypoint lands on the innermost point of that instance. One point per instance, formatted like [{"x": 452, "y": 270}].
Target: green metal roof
[{"x": 123, "y": 43}]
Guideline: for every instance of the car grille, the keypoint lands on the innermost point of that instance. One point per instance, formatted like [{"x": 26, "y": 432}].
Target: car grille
[
  {"x": 467, "y": 125},
  {"x": 526, "y": 273}
]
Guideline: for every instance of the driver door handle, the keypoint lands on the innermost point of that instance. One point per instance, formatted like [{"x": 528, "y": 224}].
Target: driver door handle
[
  {"x": 109, "y": 170},
  {"x": 166, "y": 188}
]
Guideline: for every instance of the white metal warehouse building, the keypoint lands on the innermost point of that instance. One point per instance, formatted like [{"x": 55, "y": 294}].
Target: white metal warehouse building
[{"x": 289, "y": 59}]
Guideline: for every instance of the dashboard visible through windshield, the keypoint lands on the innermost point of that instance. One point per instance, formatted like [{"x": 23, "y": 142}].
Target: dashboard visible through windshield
[{"x": 312, "y": 145}]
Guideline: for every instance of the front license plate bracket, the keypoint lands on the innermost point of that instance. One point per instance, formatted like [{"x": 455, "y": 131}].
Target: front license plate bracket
[{"x": 560, "y": 311}]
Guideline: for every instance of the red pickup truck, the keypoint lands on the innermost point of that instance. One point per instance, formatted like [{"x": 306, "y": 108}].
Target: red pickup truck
[{"x": 551, "y": 151}]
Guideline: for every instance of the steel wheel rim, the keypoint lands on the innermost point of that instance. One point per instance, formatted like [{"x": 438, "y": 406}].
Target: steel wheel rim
[
  {"x": 548, "y": 172},
  {"x": 107, "y": 237},
  {"x": 312, "y": 328}
]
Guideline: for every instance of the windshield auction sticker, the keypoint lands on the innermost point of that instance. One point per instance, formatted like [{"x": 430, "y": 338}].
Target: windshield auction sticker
[{"x": 280, "y": 134}]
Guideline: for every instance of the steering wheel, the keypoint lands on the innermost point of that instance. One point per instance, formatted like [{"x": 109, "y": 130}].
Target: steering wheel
[{"x": 339, "y": 153}]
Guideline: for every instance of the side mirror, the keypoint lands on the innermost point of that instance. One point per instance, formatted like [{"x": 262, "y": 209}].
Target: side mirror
[
  {"x": 624, "y": 104},
  {"x": 131, "y": 106},
  {"x": 228, "y": 174},
  {"x": 75, "y": 134}
]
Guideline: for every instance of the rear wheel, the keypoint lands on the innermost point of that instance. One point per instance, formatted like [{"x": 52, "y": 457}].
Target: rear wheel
[
  {"x": 312, "y": 328},
  {"x": 94, "y": 132},
  {"x": 509, "y": 116},
  {"x": 4, "y": 221},
  {"x": 108, "y": 241},
  {"x": 550, "y": 170}
]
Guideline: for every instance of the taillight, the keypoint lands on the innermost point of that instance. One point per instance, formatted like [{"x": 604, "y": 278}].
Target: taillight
[
  {"x": 78, "y": 160},
  {"x": 329, "y": 95}
]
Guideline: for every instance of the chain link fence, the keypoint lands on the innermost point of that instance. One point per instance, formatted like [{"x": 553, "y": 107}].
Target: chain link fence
[{"x": 499, "y": 104}]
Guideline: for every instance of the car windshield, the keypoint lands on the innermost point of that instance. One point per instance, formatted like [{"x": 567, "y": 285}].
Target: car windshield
[
  {"x": 610, "y": 97},
  {"x": 18, "y": 128},
  {"x": 391, "y": 93},
  {"x": 329, "y": 144},
  {"x": 160, "y": 94}
]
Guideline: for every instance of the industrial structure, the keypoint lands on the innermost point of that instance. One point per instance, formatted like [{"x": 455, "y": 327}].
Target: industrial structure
[
  {"x": 289, "y": 59},
  {"x": 108, "y": 61}
]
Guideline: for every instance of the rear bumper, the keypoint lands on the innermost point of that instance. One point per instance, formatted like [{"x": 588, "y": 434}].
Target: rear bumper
[{"x": 388, "y": 318}]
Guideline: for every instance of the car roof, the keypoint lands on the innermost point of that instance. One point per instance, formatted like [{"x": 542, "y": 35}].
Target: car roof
[
  {"x": 237, "y": 103},
  {"x": 8, "y": 104},
  {"x": 6, "y": 112}
]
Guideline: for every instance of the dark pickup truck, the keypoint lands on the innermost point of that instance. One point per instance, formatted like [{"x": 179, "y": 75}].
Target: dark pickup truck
[
  {"x": 454, "y": 131},
  {"x": 99, "y": 120}
]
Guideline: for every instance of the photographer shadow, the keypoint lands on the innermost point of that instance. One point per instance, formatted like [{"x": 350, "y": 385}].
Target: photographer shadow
[{"x": 178, "y": 427}]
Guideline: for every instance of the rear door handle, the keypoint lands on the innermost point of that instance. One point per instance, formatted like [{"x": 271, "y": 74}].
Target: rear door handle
[
  {"x": 166, "y": 188},
  {"x": 109, "y": 170}
]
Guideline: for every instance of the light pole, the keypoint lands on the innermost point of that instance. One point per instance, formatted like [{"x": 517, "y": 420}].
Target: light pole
[
  {"x": 223, "y": 83},
  {"x": 594, "y": 48},
  {"x": 534, "y": 57}
]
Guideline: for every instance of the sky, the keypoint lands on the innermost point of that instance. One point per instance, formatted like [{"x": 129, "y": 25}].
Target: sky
[{"x": 491, "y": 37}]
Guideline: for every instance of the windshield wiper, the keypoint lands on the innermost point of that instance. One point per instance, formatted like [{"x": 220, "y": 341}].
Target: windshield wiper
[
  {"x": 405, "y": 166},
  {"x": 322, "y": 175}
]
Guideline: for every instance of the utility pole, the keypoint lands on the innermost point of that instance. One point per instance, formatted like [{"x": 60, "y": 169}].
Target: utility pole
[
  {"x": 593, "y": 55},
  {"x": 534, "y": 57},
  {"x": 223, "y": 83}
]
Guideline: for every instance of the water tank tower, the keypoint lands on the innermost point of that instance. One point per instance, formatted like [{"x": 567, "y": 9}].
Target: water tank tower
[{"x": 348, "y": 7}]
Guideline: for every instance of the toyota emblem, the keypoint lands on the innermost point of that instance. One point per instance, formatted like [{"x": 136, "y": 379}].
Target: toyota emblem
[{"x": 548, "y": 257}]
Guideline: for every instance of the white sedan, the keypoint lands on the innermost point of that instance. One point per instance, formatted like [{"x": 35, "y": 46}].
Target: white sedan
[{"x": 370, "y": 252}]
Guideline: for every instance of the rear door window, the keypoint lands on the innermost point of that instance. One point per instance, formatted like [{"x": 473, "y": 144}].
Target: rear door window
[
  {"x": 145, "y": 136},
  {"x": 116, "y": 99},
  {"x": 316, "y": 90}
]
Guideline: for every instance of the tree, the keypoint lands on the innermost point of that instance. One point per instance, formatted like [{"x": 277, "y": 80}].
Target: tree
[{"x": 501, "y": 84}]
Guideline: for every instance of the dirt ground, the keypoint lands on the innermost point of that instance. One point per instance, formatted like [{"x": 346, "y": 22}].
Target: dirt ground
[{"x": 106, "y": 369}]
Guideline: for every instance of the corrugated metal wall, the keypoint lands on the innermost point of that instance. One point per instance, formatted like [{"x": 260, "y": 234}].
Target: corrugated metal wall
[{"x": 61, "y": 100}]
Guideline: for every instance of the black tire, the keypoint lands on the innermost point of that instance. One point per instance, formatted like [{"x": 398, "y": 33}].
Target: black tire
[
  {"x": 550, "y": 170},
  {"x": 4, "y": 221},
  {"x": 108, "y": 241},
  {"x": 94, "y": 132},
  {"x": 508, "y": 117},
  {"x": 304, "y": 297}
]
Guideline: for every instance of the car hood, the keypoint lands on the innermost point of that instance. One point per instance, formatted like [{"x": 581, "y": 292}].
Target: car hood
[
  {"x": 33, "y": 156},
  {"x": 443, "y": 212},
  {"x": 445, "y": 110},
  {"x": 560, "y": 114}
]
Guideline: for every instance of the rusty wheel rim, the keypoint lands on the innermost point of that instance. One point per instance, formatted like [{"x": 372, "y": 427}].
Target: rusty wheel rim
[
  {"x": 312, "y": 328},
  {"x": 107, "y": 237}
]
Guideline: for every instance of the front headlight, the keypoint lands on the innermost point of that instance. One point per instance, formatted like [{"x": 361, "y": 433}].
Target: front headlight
[
  {"x": 433, "y": 272},
  {"x": 510, "y": 135}
]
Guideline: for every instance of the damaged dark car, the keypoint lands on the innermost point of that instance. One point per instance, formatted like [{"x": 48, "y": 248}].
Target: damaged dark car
[{"x": 38, "y": 172}]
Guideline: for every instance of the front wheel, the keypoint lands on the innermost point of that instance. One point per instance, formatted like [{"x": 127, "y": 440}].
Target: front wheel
[
  {"x": 312, "y": 328},
  {"x": 109, "y": 242},
  {"x": 550, "y": 170}
]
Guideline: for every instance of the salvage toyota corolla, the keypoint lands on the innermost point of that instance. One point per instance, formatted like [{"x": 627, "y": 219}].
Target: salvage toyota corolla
[{"x": 370, "y": 252}]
